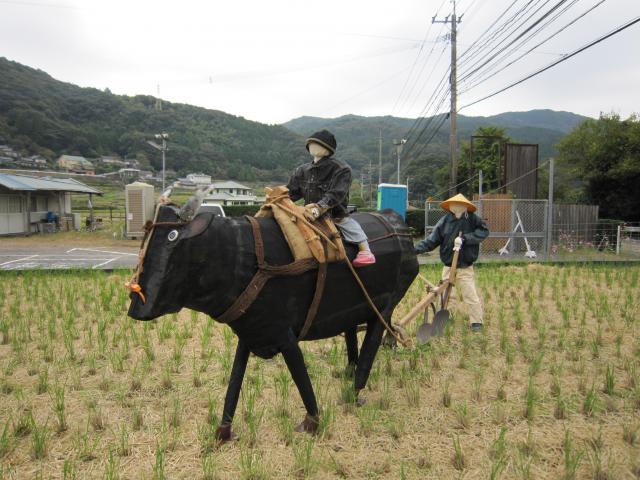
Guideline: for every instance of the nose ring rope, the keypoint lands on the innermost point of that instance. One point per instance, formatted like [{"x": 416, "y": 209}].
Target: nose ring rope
[{"x": 133, "y": 284}]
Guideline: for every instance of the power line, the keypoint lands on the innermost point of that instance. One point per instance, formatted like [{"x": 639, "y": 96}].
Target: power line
[
  {"x": 416, "y": 59},
  {"x": 553, "y": 64},
  {"x": 495, "y": 72}
]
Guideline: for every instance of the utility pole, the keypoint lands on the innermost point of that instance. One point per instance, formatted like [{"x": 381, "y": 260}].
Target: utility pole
[
  {"x": 380, "y": 158},
  {"x": 453, "y": 133},
  {"x": 399, "y": 144},
  {"x": 163, "y": 148}
]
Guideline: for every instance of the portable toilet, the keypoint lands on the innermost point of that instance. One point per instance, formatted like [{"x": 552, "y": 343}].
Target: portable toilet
[
  {"x": 393, "y": 196},
  {"x": 140, "y": 207}
]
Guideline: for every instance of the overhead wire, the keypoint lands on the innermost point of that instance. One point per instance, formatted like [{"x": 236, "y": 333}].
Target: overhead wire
[
  {"x": 498, "y": 57},
  {"x": 493, "y": 73},
  {"x": 617, "y": 30},
  {"x": 416, "y": 60}
]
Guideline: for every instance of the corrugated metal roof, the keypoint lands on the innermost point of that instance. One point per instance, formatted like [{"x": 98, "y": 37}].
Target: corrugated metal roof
[{"x": 25, "y": 183}]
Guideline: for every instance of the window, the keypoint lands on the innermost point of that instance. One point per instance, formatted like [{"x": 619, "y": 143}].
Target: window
[{"x": 10, "y": 204}]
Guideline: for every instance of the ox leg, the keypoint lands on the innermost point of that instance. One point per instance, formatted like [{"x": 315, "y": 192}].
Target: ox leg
[
  {"x": 224, "y": 432},
  {"x": 351, "y": 340},
  {"x": 295, "y": 362},
  {"x": 368, "y": 352}
]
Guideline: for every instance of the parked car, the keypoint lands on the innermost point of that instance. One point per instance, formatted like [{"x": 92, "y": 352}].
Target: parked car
[{"x": 217, "y": 210}]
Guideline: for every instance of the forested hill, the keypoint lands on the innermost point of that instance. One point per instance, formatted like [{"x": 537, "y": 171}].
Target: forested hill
[
  {"x": 39, "y": 114},
  {"x": 358, "y": 136}
]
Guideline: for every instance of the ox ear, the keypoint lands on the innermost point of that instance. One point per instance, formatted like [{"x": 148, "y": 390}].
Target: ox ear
[{"x": 198, "y": 225}]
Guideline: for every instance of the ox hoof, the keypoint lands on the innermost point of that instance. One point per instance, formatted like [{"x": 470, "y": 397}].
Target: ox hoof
[
  {"x": 360, "y": 401},
  {"x": 308, "y": 425},
  {"x": 225, "y": 434}
]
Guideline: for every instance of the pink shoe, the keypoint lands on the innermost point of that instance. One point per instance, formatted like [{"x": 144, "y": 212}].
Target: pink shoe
[{"x": 364, "y": 258}]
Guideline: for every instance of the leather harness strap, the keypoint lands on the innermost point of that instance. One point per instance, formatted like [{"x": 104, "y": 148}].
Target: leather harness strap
[{"x": 264, "y": 273}]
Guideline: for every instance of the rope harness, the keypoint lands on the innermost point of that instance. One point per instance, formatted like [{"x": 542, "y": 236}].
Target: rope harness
[{"x": 266, "y": 271}]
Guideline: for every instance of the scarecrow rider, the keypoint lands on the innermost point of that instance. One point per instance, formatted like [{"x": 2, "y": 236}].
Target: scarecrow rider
[
  {"x": 324, "y": 184},
  {"x": 460, "y": 218}
]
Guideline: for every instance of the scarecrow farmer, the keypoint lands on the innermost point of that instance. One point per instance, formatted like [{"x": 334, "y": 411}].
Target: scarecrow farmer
[
  {"x": 324, "y": 184},
  {"x": 461, "y": 218}
]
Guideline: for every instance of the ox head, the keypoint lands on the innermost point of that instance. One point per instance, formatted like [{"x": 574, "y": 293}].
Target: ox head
[{"x": 161, "y": 284}]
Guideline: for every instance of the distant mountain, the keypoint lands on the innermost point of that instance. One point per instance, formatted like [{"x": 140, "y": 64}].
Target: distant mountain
[
  {"x": 39, "y": 114},
  {"x": 358, "y": 136}
]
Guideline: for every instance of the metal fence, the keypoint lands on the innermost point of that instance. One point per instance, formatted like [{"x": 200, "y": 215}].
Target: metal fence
[{"x": 522, "y": 230}]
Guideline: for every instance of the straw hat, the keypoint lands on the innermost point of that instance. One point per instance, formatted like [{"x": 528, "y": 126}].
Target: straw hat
[{"x": 459, "y": 198}]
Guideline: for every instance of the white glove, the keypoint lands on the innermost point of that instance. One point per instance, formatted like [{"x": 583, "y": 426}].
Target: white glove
[{"x": 457, "y": 243}]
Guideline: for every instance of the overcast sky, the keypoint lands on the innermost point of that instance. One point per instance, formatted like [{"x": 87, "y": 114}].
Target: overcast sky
[{"x": 277, "y": 60}]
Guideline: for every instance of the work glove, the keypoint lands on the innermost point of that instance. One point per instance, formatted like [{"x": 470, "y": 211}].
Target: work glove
[
  {"x": 312, "y": 212},
  {"x": 457, "y": 243}
]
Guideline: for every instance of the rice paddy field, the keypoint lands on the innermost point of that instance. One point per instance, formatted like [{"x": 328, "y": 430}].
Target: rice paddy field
[{"x": 549, "y": 390}]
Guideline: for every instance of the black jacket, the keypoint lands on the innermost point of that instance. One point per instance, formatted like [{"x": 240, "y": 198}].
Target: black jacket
[
  {"x": 474, "y": 230},
  {"x": 326, "y": 183}
]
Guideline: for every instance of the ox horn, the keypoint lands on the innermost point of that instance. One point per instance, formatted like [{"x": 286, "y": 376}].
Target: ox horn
[
  {"x": 189, "y": 209},
  {"x": 164, "y": 196}
]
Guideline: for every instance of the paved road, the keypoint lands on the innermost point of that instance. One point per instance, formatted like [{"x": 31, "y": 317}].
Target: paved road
[{"x": 65, "y": 257}]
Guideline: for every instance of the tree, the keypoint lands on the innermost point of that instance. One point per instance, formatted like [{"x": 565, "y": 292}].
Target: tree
[
  {"x": 487, "y": 154},
  {"x": 603, "y": 158}
]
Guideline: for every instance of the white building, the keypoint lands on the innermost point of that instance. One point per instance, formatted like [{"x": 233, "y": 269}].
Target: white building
[
  {"x": 200, "y": 179},
  {"x": 231, "y": 193}
]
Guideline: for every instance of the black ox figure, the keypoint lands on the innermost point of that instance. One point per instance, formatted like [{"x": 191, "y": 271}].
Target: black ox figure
[{"x": 207, "y": 263}]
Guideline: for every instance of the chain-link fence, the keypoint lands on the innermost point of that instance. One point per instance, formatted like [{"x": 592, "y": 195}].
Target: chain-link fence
[{"x": 530, "y": 230}]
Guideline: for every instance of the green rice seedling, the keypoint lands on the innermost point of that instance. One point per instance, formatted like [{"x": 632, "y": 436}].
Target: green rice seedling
[
  {"x": 57, "y": 399},
  {"x": 618, "y": 342},
  {"x": 412, "y": 392},
  {"x": 462, "y": 415},
  {"x": 478, "y": 377},
  {"x": 96, "y": 419},
  {"x": 178, "y": 348},
  {"x": 227, "y": 337},
  {"x": 572, "y": 457},
  {"x": 43, "y": 380},
  {"x": 348, "y": 395},
  {"x": 175, "y": 416},
  {"x": 304, "y": 464},
  {"x": 459, "y": 458},
  {"x": 522, "y": 465},
  {"x": 509, "y": 354},
  {"x": 609, "y": 380},
  {"x": 212, "y": 409},
  {"x": 589, "y": 404},
  {"x": 528, "y": 446},
  {"x": 25, "y": 422},
  {"x": 629, "y": 433},
  {"x": 446, "y": 394},
  {"x": 225, "y": 360},
  {"x": 158, "y": 466},
  {"x": 367, "y": 416},
  {"x": 285, "y": 427},
  {"x": 536, "y": 363},
  {"x": 252, "y": 464},
  {"x": 252, "y": 415},
  {"x": 91, "y": 364},
  {"x": 84, "y": 445},
  {"x": 166, "y": 382},
  {"x": 530, "y": 402},
  {"x": 384, "y": 402},
  {"x": 195, "y": 375},
  {"x": 137, "y": 419},
  {"x": 600, "y": 469},
  {"x": 5, "y": 439},
  {"x": 209, "y": 467},
  {"x": 501, "y": 393},
  {"x": 395, "y": 426},
  {"x": 39, "y": 438},
  {"x": 207, "y": 438},
  {"x": 326, "y": 421},
  {"x": 69, "y": 470},
  {"x": 561, "y": 407},
  {"x": 499, "y": 446},
  {"x": 112, "y": 468},
  {"x": 124, "y": 448}
]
